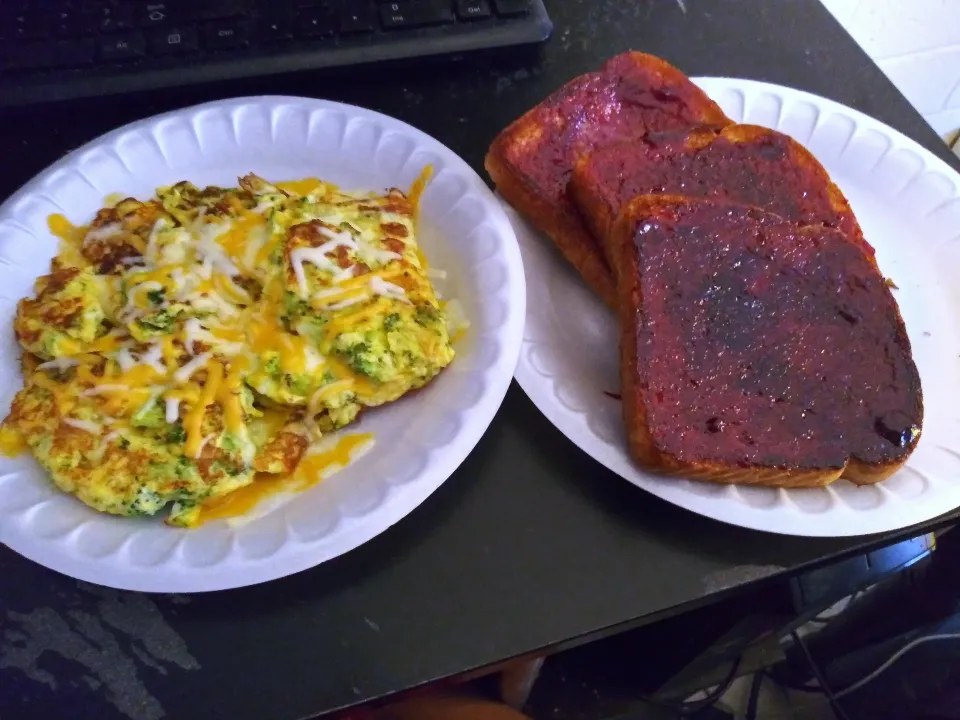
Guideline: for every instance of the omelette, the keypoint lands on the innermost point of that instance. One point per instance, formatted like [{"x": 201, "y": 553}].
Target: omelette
[{"x": 182, "y": 345}]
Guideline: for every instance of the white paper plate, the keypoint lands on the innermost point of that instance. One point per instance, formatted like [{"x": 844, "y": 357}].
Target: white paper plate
[
  {"x": 908, "y": 203},
  {"x": 419, "y": 441}
]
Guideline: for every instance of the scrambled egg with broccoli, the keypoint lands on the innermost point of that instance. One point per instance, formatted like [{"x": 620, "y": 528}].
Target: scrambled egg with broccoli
[{"x": 172, "y": 334}]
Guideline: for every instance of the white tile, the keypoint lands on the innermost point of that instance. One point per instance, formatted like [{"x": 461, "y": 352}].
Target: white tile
[
  {"x": 944, "y": 122},
  {"x": 842, "y": 10},
  {"x": 926, "y": 79},
  {"x": 953, "y": 100},
  {"x": 890, "y": 28}
]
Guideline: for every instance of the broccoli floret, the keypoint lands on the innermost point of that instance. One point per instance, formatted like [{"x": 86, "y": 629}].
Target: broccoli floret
[
  {"x": 272, "y": 367},
  {"x": 150, "y": 415},
  {"x": 159, "y": 322},
  {"x": 294, "y": 305},
  {"x": 299, "y": 384},
  {"x": 359, "y": 360},
  {"x": 426, "y": 315},
  {"x": 176, "y": 434},
  {"x": 147, "y": 502},
  {"x": 391, "y": 321},
  {"x": 228, "y": 442},
  {"x": 184, "y": 466}
]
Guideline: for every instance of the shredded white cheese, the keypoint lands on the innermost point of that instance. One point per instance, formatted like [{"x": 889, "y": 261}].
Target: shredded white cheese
[
  {"x": 346, "y": 303},
  {"x": 105, "y": 388},
  {"x": 58, "y": 364},
  {"x": 154, "y": 358},
  {"x": 125, "y": 359},
  {"x": 192, "y": 331},
  {"x": 379, "y": 286},
  {"x": 85, "y": 425},
  {"x": 102, "y": 233},
  {"x": 155, "y": 231},
  {"x": 318, "y": 256},
  {"x": 186, "y": 372},
  {"x": 327, "y": 292},
  {"x": 210, "y": 251},
  {"x": 203, "y": 444},
  {"x": 342, "y": 274},
  {"x": 172, "y": 410}
]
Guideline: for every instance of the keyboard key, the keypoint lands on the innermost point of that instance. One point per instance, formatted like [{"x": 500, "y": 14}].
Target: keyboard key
[
  {"x": 158, "y": 14},
  {"x": 224, "y": 34},
  {"x": 510, "y": 8},
  {"x": 24, "y": 25},
  {"x": 274, "y": 30},
  {"x": 473, "y": 9},
  {"x": 75, "y": 53},
  {"x": 114, "y": 18},
  {"x": 123, "y": 47},
  {"x": 315, "y": 22},
  {"x": 173, "y": 41},
  {"x": 356, "y": 18},
  {"x": 216, "y": 9},
  {"x": 72, "y": 22},
  {"x": 434, "y": 12},
  {"x": 415, "y": 13}
]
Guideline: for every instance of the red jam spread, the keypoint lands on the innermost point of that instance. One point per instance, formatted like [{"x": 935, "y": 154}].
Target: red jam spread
[
  {"x": 761, "y": 343},
  {"x": 624, "y": 101},
  {"x": 761, "y": 172}
]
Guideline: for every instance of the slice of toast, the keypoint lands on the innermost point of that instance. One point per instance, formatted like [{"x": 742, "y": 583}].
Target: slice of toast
[
  {"x": 741, "y": 163},
  {"x": 531, "y": 160},
  {"x": 756, "y": 350}
]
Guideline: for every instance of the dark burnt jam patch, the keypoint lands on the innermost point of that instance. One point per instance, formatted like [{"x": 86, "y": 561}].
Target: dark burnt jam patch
[
  {"x": 763, "y": 344},
  {"x": 761, "y": 173}
]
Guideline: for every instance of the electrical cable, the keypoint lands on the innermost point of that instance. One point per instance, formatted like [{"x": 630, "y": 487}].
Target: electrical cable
[
  {"x": 688, "y": 708},
  {"x": 892, "y": 659},
  {"x": 824, "y": 620},
  {"x": 790, "y": 686},
  {"x": 754, "y": 698},
  {"x": 834, "y": 705},
  {"x": 853, "y": 687},
  {"x": 694, "y": 706}
]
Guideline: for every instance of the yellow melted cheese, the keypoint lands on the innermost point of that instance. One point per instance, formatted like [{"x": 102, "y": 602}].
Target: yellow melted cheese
[
  {"x": 155, "y": 366},
  {"x": 12, "y": 442},
  {"x": 311, "y": 470}
]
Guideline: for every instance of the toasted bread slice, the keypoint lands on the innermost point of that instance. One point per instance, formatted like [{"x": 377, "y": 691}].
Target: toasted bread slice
[
  {"x": 756, "y": 350},
  {"x": 531, "y": 160},
  {"x": 741, "y": 163}
]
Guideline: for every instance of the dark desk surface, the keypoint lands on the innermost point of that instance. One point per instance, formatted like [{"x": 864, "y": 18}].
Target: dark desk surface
[{"x": 529, "y": 545}]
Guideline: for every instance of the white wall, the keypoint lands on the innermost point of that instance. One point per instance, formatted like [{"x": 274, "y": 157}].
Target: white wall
[{"x": 917, "y": 44}]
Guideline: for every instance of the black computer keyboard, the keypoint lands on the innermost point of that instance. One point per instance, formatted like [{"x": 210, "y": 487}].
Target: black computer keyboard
[{"x": 59, "y": 49}]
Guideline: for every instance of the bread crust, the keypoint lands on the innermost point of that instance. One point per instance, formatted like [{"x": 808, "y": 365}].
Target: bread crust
[
  {"x": 646, "y": 210},
  {"x": 531, "y": 160}
]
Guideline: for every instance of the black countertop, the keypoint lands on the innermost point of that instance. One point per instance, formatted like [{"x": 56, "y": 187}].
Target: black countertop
[{"x": 530, "y": 544}]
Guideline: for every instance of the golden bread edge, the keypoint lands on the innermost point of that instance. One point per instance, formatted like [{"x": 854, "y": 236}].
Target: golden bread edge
[{"x": 560, "y": 223}]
